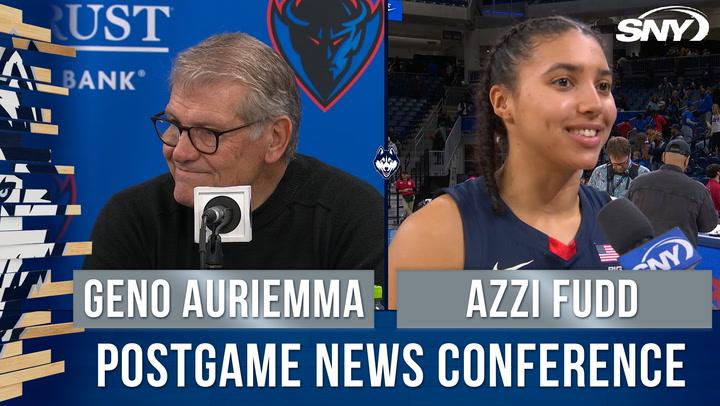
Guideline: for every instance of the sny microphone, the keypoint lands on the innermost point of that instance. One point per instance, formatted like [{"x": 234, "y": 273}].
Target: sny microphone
[{"x": 630, "y": 233}]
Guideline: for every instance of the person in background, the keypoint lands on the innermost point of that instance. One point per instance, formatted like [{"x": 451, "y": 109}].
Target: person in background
[
  {"x": 714, "y": 126},
  {"x": 406, "y": 187},
  {"x": 705, "y": 103},
  {"x": 669, "y": 198},
  {"x": 615, "y": 176},
  {"x": 713, "y": 186},
  {"x": 688, "y": 122},
  {"x": 652, "y": 105},
  {"x": 642, "y": 120}
]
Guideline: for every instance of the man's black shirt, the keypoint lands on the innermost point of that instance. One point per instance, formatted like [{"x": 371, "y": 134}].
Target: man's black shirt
[
  {"x": 318, "y": 217},
  {"x": 669, "y": 198}
]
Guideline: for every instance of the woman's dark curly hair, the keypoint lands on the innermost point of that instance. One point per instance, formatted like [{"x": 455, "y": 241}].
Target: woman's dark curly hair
[{"x": 501, "y": 67}]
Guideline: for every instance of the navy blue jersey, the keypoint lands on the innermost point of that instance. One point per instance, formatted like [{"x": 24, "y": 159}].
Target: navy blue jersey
[{"x": 503, "y": 241}]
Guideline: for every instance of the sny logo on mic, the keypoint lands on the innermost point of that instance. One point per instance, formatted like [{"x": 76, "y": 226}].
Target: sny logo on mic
[{"x": 670, "y": 251}]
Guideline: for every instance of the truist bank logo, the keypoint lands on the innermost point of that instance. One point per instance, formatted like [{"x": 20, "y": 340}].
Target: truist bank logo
[
  {"x": 666, "y": 29},
  {"x": 111, "y": 28}
]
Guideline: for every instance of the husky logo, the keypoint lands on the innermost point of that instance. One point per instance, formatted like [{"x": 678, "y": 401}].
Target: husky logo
[
  {"x": 386, "y": 162},
  {"x": 328, "y": 43},
  {"x": 639, "y": 29}
]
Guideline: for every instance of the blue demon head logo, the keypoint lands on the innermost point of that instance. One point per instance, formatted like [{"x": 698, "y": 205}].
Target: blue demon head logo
[{"x": 328, "y": 43}]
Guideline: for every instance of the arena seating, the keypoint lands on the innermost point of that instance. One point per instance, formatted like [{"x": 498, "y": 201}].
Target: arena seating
[
  {"x": 410, "y": 98},
  {"x": 405, "y": 114}
]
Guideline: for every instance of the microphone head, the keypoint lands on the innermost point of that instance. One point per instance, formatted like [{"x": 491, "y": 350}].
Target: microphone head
[
  {"x": 214, "y": 214},
  {"x": 624, "y": 225},
  {"x": 222, "y": 208}
]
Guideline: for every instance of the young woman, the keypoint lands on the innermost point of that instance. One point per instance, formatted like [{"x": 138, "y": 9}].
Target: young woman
[{"x": 545, "y": 111}]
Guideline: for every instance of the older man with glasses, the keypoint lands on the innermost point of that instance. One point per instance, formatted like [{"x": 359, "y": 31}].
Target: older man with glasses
[
  {"x": 615, "y": 176},
  {"x": 233, "y": 119}
]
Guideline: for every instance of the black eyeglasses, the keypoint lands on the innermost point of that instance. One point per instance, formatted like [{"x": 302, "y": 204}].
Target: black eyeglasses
[
  {"x": 620, "y": 164},
  {"x": 203, "y": 139}
]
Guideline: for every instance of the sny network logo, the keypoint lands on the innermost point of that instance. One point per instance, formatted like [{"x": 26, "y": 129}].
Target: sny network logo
[
  {"x": 667, "y": 254},
  {"x": 639, "y": 29}
]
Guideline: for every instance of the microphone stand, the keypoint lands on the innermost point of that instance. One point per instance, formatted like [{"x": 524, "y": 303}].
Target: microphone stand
[{"x": 211, "y": 255}]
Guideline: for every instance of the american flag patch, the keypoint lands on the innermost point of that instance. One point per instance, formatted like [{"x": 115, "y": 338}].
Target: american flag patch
[{"x": 607, "y": 253}]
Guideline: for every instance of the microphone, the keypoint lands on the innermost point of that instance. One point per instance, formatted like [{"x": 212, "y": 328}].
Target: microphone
[
  {"x": 222, "y": 212},
  {"x": 630, "y": 233},
  {"x": 625, "y": 226},
  {"x": 215, "y": 214}
]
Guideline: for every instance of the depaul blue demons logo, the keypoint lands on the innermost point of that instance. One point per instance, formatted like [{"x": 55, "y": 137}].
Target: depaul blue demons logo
[{"x": 328, "y": 43}]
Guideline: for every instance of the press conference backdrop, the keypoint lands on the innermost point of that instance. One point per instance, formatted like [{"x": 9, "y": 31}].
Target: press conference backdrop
[{"x": 120, "y": 78}]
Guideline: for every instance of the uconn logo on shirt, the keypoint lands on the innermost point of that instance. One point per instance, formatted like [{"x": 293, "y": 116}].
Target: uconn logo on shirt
[
  {"x": 113, "y": 28},
  {"x": 641, "y": 28}
]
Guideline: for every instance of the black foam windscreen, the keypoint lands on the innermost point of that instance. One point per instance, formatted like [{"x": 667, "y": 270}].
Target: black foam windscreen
[
  {"x": 228, "y": 204},
  {"x": 625, "y": 226}
]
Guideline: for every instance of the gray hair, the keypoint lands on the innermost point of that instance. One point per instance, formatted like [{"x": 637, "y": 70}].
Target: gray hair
[{"x": 242, "y": 58}]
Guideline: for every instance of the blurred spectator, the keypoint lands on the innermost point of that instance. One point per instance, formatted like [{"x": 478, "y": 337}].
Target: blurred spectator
[
  {"x": 669, "y": 198},
  {"x": 660, "y": 122},
  {"x": 675, "y": 132},
  {"x": 652, "y": 105},
  {"x": 406, "y": 187},
  {"x": 641, "y": 121},
  {"x": 687, "y": 120},
  {"x": 715, "y": 130},
  {"x": 638, "y": 158},
  {"x": 650, "y": 151},
  {"x": 615, "y": 176},
  {"x": 636, "y": 139},
  {"x": 705, "y": 106},
  {"x": 713, "y": 185},
  {"x": 665, "y": 88},
  {"x": 624, "y": 128}
]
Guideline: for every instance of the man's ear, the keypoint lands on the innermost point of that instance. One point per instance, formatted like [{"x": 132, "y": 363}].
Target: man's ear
[
  {"x": 280, "y": 132},
  {"x": 502, "y": 102}
]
